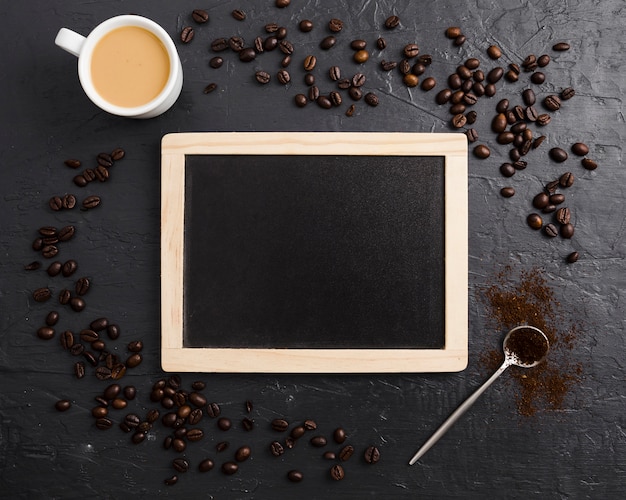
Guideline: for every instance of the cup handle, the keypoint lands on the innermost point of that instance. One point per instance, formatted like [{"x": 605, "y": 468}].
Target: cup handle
[{"x": 70, "y": 41}]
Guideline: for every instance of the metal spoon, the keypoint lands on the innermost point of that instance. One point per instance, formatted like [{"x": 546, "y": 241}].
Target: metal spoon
[{"x": 510, "y": 358}]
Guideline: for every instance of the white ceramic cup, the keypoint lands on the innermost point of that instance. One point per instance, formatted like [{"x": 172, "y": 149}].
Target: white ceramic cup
[{"x": 83, "y": 47}]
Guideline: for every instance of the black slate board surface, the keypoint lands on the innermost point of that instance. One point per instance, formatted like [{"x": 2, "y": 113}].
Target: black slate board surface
[
  {"x": 314, "y": 252},
  {"x": 577, "y": 452}
]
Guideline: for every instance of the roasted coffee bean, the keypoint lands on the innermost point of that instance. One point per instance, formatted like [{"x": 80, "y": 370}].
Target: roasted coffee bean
[
  {"x": 505, "y": 137},
  {"x": 195, "y": 416},
  {"x": 283, "y": 77},
  {"x": 550, "y": 230},
  {"x": 238, "y": 14},
  {"x": 309, "y": 79},
  {"x": 63, "y": 405},
  {"x": 481, "y": 151},
  {"x": 528, "y": 95},
  {"x": 89, "y": 174},
  {"x": 33, "y": 266},
  {"x": 566, "y": 180},
  {"x": 69, "y": 268},
  {"x": 428, "y": 83},
  {"x": 371, "y": 455},
  {"x": 104, "y": 423},
  {"x": 262, "y": 77},
  {"x": 286, "y": 61},
  {"x": 350, "y": 111},
  {"x": 560, "y": 46},
  {"x": 91, "y": 202},
  {"x": 309, "y": 63},
  {"x": 453, "y": 32},
  {"x": 443, "y": 96},
  {"x": 45, "y": 332},
  {"x": 392, "y": 22},
  {"x": 300, "y": 100},
  {"x": 206, "y": 465},
  {"x": 538, "y": 77},
  {"x": 171, "y": 481},
  {"x": 42, "y": 294},
  {"x": 99, "y": 411},
  {"x": 80, "y": 180},
  {"x": 102, "y": 174},
  {"x": 507, "y": 192},
  {"x": 388, "y": 65},
  {"x": 358, "y": 80},
  {"x": 358, "y": 44},
  {"x": 572, "y": 257},
  {"x": 72, "y": 163},
  {"x": 134, "y": 360},
  {"x": 381, "y": 43},
  {"x": 494, "y": 52},
  {"x": 286, "y": 47},
  {"x": 236, "y": 43},
  {"x": 337, "y": 472},
  {"x": 55, "y": 203},
  {"x": 279, "y": 425},
  {"x": 216, "y": 62},
  {"x": 541, "y": 200},
  {"x": 270, "y": 43},
  {"x": 470, "y": 99},
  {"x": 472, "y": 135},
  {"x": 290, "y": 442},
  {"x": 77, "y": 349},
  {"x": 589, "y": 164},
  {"x": 224, "y": 423},
  {"x": 534, "y": 221},
  {"x": 104, "y": 160},
  {"x": 186, "y": 35},
  {"x": 243, "y": 453},
  {"x": 361, "y": 56},
  {"x": 297, "y": 432},
  {"x": 200, "y": 16},
  {"x": 411, "y": 50},
  {"x": 77, "y": 304},
  {"x": 328, "y": 42},
  {"x": 557, "y": 198},
  {"x": 511, "y": 76},
  {"x": 46, "y": 231},
  {"x": 310, "y": 425},
  {"x": 355, "y": 93},
  {"x": 229, "y": 468},
  {"x": 247, "y": 54},
  {"x": 276, "y": 449},
  {"x": 455, "y": 81},
  {"x": 213, "y": 410},
  {"x": 410, "y": 80},
  {"x": 79, "y": 369},
  {"x": 543, "y": 61},
  {"x": 490, "y": 90},
  {"x": 52, "y": 318},
  {"x": 295, "y": 476},
  {"x": 179, "y": 445},
  {"x": 305, "y": 25},
  {"x": 478, "y": 89},
  {"x": 346, "y": 452},
  {"x": 580, "y": 149},
  {"x": 559, "y": 155},
  {"x": 88, "y": 336},
  {"x": 567, "y": 93},
  {"x": 371, "y": 99},
  {"x": 339, "y": 435},
  {"x": 458, "y": 121},
  {"x": 543, "y": 119},
  {"x": 180, "y": 465},
  {"x": 324, "y": 102},
  {"x": 318, "y": 441},
  {"x": 552, "y": 102},
  {"x": 49, "y": 251},
  {"x": 495, "y": 74},
  {"x": 502, "y": 106},
  {"x": 335, "y": 98},
  {"x": 563, "y": 215},
  {"x": 335, "y": 25},
  {"x": 548, "y": 209},
  {"x": 219, "y": 44}
]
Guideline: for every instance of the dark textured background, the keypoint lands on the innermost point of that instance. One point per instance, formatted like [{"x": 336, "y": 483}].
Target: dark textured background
[{"x": 579, "y": 452}]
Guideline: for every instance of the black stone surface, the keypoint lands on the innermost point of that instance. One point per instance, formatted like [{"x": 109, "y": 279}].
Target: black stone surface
[
  {"x": 577, "y": 452},
  {"x": 314, "y": 252}
]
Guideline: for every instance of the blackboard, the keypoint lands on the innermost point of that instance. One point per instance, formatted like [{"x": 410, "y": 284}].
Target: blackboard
[{"x": 314, "y": 252}]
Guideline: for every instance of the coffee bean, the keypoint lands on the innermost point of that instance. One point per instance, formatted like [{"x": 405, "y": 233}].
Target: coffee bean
[
  {"x": 216, "y": 62},
  {"x": 335, "y": 98},
  {"x": 560, "y": 46},
  {"x": 552, "y": 102},
  {"x": 538, "y": 77},
  {"x": 371, "y": 455},
  {"x": 82, "y": 286},
  {"x": 346, "y": 453},
  {"x": 392, "y": 22},
  {"x": 243, "y": 453},
  {"x": 589, "y": 164},
  {"x": 180, "y": 465},
  {"x": 559, "y": 155},
  {"x": 528, "y": 96},
  {"x": 55, "y": 203},
  {"x": 229, "y": 468},
  {"x": 455, "y": 81},
  {"x": 77, "y": 304},
  {"x": 300, "y": 100},
  {"x": 567, "y": 93},
  {"x": 494, "y": 52},
  {"x": 91, "y": 202},
  {"x": 381, "y": 43},
  {"x": 350, "y": 111},
  {"x": 79, "y": 369},
  {"x": 186, "y": 35},
  {"x": 411, "y": 50},
  {"x": 67, "y": 339},
  {"x": 224, "y": 423},
  {"x": 318, "y": 441},
  {"x": 305, "y": 26},
  {"x": 572, "y": 257},
  {"x": 507, "y": 192},
  {"x": 324, "y": 102},
  {"x": 80, "y": 181},
  {"x": 541, "y": 201},
  {"x": 279, "y": 425},
  {"x": 339, "y": 435},
  {"x": 335, "y": 25},
  {"x": 495, "y": 74},
  {"x": 534, "y": 221},
  {"x": 72, "y": 163},
  {"x": 550, "y": 230},
  {"x": 295, "y": 476},
  {"x": 472, "y": 135},
  {"x": 371, "y": 99},
  {"x": 281, "y": 4},
  {"x": 45, "y": 332},
  {"x": 297, "y": 432},
  {"x": 557, "y": 198},
  {"x": 543, "y": 119},
  {"x": 88, "y": 336},
  {"x": 200, "y": 16},
  {"x": 481, "y": 151},
  {"x": 580, "y": 149},
  {"x": 33, "y": 266},
  {"x": 428, "y": 83},
  {"x": 453, "y": 32},
  {"x": 410, "y": 80},
  {"x": 49, "y": 251},
  {"x": 283, "y": 77},
  {"x": 238, "y": 14},
  {"x": 337, "y": 472},
  {"x": 328, "y": 42},
  {"x": 63, "y": 405},
  {"x": 566, "y": 180},
  {"x": 171, "y": 481},
  {"x": 443, "y": 96},
  {"x": 361, "y": 56},
  {"x": 563, "y": 215},
  {"x": 42, "y": 294},
  {"x": 276, "y": 449},
  {"x": 89, "y": 174},
  {"x": 499, "y": 123},
  {"x": 458, "y": 121}
]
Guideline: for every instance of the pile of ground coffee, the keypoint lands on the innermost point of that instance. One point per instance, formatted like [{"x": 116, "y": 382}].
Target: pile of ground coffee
[{"x": 511, "y": 301}]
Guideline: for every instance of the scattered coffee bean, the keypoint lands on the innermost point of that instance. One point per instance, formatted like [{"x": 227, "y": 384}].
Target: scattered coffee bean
[
  {"x": 49, "y": 251},
  {"x": 580, "y": 149},
  {"x": 460, "y": 40},
  {"x": 563, "y": 215},
  {"x": 543, "y": 119},
  {"x": 276, "y": 448},
  {"x": 73, "y": 163},
  {"x": 224, "y": 423},
  {"x": 186, "y": 35},
  {"x": 572, "y": 257},
  {"x": 200, "y": 16},
  {"x": 243, "y": 453},
  {"x": 392, "y": 22},
  {"x": 305, "y": 25},
  {"x": 541, "y": 201},
  {"x": 528, "y": 96},
  {"x": 589, "y": 164},
  {"x": 337, "y": 472},
  {"x": 559, "y": 155},
  {"x": 210, "y": 88},
  {"x": 371, "y": 454},
  {"x": 45, "y": 332},
  {"x": 350, "y": 111},
  {"x": 507, "y": 192},
  {"x": 55, "y": 203},
  {"x": 561, "y": 46},
  {"x": 69, "y": 268},
  {"x": 318, "y": 441},
  {"x": 297, "y": 432},
  {"x": 346, "y": 453},
  {"x": 63, "y": 405},
  {"x": 339, "y": 435},
  {"x": 238, "y": 14},
  {"x": 171, "y": 481},
  {"x": 82, "y": 286},
  {"x": 79, "y": 369},
  {"x": 283, "y": 77},
  {"x": 361, "y": 56},
  {"x": 494, "y": 52},
  {"x": 328, "y": 42},
  {"x": 91, "y": 202},
  {"x": 206, "y": 465},
  {"x": 371, "y": 99},
  {"x": 550, "y": 230},
  {"x": 324, "y": 102},
  {"x": 77, "y": 304},
  {"x": 335, "y": 25},
  {"x": 481, "y": 151},
  {"x": 453, "y": 32},
  {"x": 42, "y": 294},
  {"x": 295, "y": 476},
  {"x": 280, "y": 425},
  {"x": 229, "y": 468},
  {"x": 534, "y": 221}
]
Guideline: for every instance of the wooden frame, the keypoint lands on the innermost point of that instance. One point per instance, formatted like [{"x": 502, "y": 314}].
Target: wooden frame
[{"x": 176, "y": 357}]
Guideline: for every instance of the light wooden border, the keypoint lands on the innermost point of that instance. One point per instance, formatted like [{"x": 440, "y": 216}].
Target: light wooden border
[{"x": 174, "y": 357}]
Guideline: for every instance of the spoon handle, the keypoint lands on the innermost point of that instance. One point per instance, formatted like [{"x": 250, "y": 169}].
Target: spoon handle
[{"x": 449, "y": 422}]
